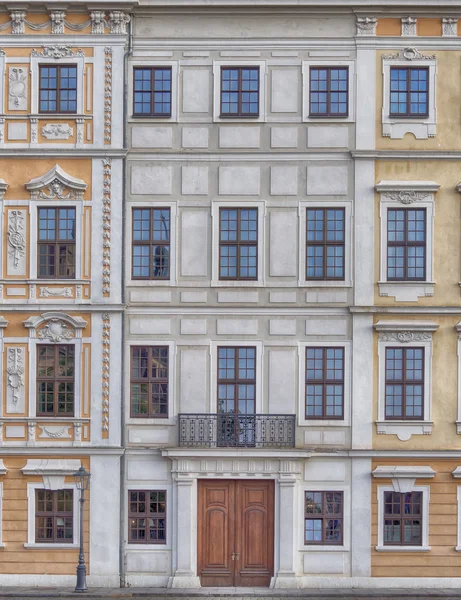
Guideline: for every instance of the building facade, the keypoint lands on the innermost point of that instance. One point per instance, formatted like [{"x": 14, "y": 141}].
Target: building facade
[{"x": 61, "y": 169}]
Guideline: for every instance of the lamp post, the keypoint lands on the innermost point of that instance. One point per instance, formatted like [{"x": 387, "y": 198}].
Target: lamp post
[{"x": 82, "y": 481}]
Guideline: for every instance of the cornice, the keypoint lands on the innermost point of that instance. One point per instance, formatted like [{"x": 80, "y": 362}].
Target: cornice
[{"x": 406, "y": 154}]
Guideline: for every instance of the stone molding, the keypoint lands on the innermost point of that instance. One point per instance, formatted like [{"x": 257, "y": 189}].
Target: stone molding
[{"x": 54, "y": 184}]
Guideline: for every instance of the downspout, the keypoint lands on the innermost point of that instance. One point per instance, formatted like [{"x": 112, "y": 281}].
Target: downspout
[{"x": 122, "y": 566}]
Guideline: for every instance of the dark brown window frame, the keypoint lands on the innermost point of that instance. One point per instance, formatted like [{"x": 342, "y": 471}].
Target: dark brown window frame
[
  {"x": 146, "y": 515},
  {"x": 149, "y": 381},
  {"x": 408, "y": 114},
  {"x": 403, "y": 383},
  {"x": 236, "y": 381},
  {"x": 402, "y": 516},
  {"x": 54, "y": 514},
  {"x": 324, "y": 382},
  {"x": 56, "y": 380},
  {"x": 326, "y": 243},
  {"x": 324, "y": 516},
  {"x": 406, "y": 244},
  {"x": 58, "y": 111},
  {"x": 151, "y": 243},
  {"x": 56, "y": 243},
  {"x": 152, "y": 114},
  {"x": 239, "y": 243},
  {"x": 239, "y": 112},
  {"x": 329, "y": 114}
]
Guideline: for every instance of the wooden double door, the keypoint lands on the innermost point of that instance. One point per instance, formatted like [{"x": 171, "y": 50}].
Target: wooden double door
[{"x": 235, "y": 532}]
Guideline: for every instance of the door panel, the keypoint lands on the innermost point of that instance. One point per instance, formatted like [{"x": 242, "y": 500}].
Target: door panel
[
  {"x": 235, "y": 532},
  {"x": 216, "y": 511}
]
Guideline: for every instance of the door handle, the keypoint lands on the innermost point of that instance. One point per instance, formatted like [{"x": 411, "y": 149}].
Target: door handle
[{"x": 235, "y": 555}]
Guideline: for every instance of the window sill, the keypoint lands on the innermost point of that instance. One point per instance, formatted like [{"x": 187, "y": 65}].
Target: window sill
[
  {"x": 151, "y": 421},
  {"x": 335, "y": 119},
  {"x": 237, "y": 283},
  {"x": 457, "y": 548},
  {"x": 404, "y": 429},
  {"x": 311, "y": 283},
  {"x": 406, "y": 291},
  {"x": 51, "y": 546},
  {"x": 397, "y": 127},
  {"x": 324, "y": 548},
  {"x": 403, "y": 548}
]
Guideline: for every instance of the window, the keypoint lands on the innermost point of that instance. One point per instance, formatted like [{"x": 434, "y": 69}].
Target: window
[
  {"x": 147, "y": 517},
  {"x": 55, "y": 380},
  {"x": 403, "y": 519},
  {"x": 409, "y": 92},
  {"x": 406, "y": 244},
  {"x": 324, "y": 383},
  {"x": 325, "y": 244},
  {"x": 152, "y": 91},
  {"x": 56, "y": 243},
  {"x": 58, "y": 89},
  {"x": 236, "y": 380},
  {"x": 238, "y": 243},
  {"x": 239, "y": 92},
  {"x": 328, "y": 91},
  {"x": 149, "y": 381},
  {"x": 151, "y": 243},
  {"x": 54, "y": 516},
  {"x": 404, "y": 383},
  {"x": 323, "y": 518}
]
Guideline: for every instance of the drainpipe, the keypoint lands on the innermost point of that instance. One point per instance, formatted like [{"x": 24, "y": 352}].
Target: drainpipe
[{"x": 122, "y": 565}]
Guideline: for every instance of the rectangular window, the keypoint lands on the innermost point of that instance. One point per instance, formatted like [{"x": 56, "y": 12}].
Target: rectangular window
[
  {"x": 329, "y": 94},
  {"x": 151, "y": 243},
  {"x": 152, "y": 92},
  {"x": 147, "y": 517},
  {"x": 239, "y": 91},
  {"x": 404, "y": 383},
  {"x": 55, "y": 380},
  {"x": 56, "y": 243},
  {"x": 409, "y": 92},
  {"x": 58, "y": 89},
  {"x": 325, "y": 244},
  {"x": 54, "y": 515},
  {"x": 238, "y": 243},
  {"x": 149, "y": 381},
  {"x": 324, "y": 383},
  {"x": 403, "y": 519},
  {"x": 406, "y": 244},
  {"x": 323, "y": 518}
]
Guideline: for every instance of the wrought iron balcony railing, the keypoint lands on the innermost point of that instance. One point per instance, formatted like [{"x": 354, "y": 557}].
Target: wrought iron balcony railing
[{"x": 229, "y": 430}]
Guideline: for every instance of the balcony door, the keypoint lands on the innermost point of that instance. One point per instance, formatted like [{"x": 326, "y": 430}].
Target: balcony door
[
  {"x": 236, "y": 396},
  {"x": 235, "y": 533}
]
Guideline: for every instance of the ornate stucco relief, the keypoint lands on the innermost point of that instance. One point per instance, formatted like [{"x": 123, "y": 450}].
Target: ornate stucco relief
[
  {"x": 15, "y": 380},
  {"x": 17, "y": 88},
  {"x": 56, "y": 331},
  {"x": 106, "y": 225},
  {"x": 46, "y": 292},
  {"x": 16, "y": 260},
  {"x": 105, "y": 373},
  {"x": 57, "y": 131},
  {"x": 56, "y": 185},
  {"x": 366, "y": 25},
  {"x": 107, "y": 94}
]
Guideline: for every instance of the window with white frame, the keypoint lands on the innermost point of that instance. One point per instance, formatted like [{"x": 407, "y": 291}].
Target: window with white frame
[
  {"x": 154, "y": 90},
  {"x": 328, "y": 90},
  {"x": 405, "y": 364},
  {"x": 238, "y": 242},
  {"x": 409, "y": 94},
  {"x": 239, "y": 90},
  {"x": 325, "y": 238},
  {"x": 325, "y": 383},
  {"x": 407, "y": 232}
]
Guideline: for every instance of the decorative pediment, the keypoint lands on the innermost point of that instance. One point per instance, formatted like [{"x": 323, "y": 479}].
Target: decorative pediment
[
  {"x": 405, "y": 332},
  {"x": 407, "y": 192},
  {"x": 55, "y": 327},
  {"x": 403, "y": 477},
  {"x": 53, "y": 470},
  {"x": 56, "y": 185},
  {"x": 409, "y": 54}
]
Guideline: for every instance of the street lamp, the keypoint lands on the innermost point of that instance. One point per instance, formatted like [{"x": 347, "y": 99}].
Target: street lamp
[{"x": 82, "y": 481}]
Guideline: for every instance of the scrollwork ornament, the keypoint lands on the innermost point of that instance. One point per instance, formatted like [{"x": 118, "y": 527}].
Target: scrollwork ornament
[
  {"x": 57, "y": 21},
  {"x": 15, "y": 371},
  {"x": 18, "y": 21},
  {"x": 105, "y": 373},
  {"x": 366, "y": 25},
  {"x": 57, "y": 52},
  {"x": 56, "y": 331},
  {"x": 16, "y": 238},
  {"x": 449, "y": 26},
  {"x": 404, "y": 337},
  {"x": 17, "y": 88},
  {"x": 409, "y": 53},
  {"x": 406, "y": 196},
  {"x": 98, "y": 21}
]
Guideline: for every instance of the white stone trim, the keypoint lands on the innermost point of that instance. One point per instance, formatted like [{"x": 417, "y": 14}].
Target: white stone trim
[
  {"x": 172, "y": 352},
  {"x": 36, "y": 61},
  {"x": 155, "y": 487},
  {"x": 306, "y": 65},
  {"x": 174, "y": 216},
  {"x": 174, "y": 64},
  {"x": 458, "y": 499},
  {"x": 426, "y": 490},
  {"x": 2, "y": 85},
  {"x": 215, "y": 208},
  {"x": 458, "y": 354},
  {"x": 31, "y": 543},
  {"x": 326, "y": 487},
  {"x": 420, "y": 127},
  {"x": 259, "y": 345},
  {"x": 348, "y": 219},
  {"x": 239, "y": 62},
  {"x": 3, "y": 471},
  {"x": 37, "y": 184},
  {"x": 321, "y": 423},
  {"x": 405, "y": 333},
  {"x": 400, "y": 194},
  {"x": 2, "y": 545}
]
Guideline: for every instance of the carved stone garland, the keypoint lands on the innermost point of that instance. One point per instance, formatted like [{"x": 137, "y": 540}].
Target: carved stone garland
[
  {"x": 107, "y": 94},
  {"x": 106, "y": 225},
  {"x": 404, "y": 337},
  {"x": 57, "y": 52},
  {"x": 105, "y": 373},
  {"x": 16, "y": 238},
  {"x": 366, "y": 25},
  {"x": 406, "y": 196},
  {"x": 15, "y": 371}
]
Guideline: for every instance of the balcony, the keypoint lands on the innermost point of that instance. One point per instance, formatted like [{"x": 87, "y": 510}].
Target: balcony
[{"x": 229, "y": 430}]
